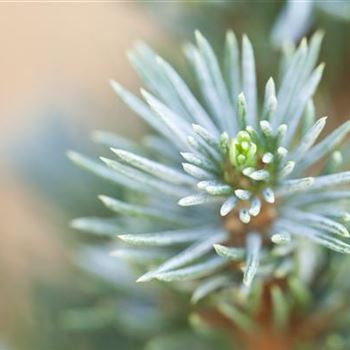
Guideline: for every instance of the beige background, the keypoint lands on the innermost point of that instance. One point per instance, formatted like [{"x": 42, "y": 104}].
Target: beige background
[{"x": 54, "y": 56}]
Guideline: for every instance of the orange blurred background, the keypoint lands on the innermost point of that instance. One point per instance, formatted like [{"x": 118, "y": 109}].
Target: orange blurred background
[{"x": 54, "y": 57}]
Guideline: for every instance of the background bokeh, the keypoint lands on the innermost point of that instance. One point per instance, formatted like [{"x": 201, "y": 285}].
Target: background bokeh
[
  {"x": 55, "y": 64},
  {"x": 56, "y": 60}
]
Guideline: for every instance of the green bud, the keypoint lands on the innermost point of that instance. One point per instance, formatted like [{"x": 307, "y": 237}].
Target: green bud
[{"x": 242, "y": 151}]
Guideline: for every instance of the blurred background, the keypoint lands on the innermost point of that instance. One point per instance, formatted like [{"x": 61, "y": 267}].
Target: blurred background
[{"x": 56, "y": 290}]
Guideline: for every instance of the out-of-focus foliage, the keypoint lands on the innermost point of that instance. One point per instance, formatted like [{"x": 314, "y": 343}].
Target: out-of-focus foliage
[
  {"x": 297, "y": 18},
  {"x": 41, "y": 162},
  {"x": 258, "y": 19}
]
